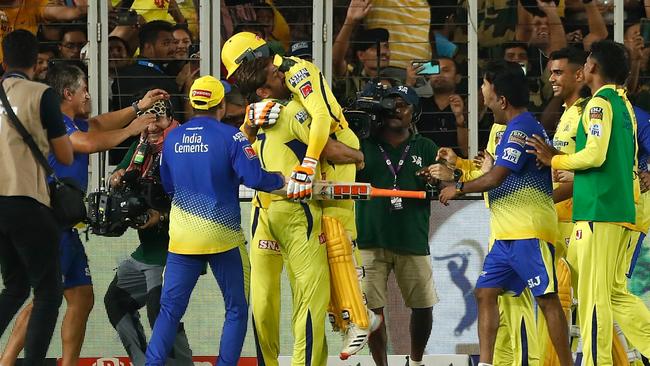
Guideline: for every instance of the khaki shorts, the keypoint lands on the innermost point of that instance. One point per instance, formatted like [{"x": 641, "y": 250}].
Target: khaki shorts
[{"x": 413, "y": 273}]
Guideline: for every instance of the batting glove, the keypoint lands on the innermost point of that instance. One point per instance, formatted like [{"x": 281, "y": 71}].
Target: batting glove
[
  {"x": 301, "y": 180},
  {"x": 263, "y": 114}
]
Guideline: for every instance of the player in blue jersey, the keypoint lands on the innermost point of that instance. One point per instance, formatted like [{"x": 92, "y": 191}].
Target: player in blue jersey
[
  {"x": 203, "y": 163},
  {"x": 522, "y": 215}
]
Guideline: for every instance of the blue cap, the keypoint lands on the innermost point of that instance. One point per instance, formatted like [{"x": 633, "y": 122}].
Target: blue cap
[
  {"x": 407, "y": 93},
  {"x": 301, "y": 49}
]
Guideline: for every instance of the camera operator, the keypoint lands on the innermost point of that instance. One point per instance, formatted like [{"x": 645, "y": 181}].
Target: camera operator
[
  {"x": 393, "y": 157},
  {"x": 29, "y": 234},
  {"x": 138, "y": 279},
  {"x": 96, "y": 134}
]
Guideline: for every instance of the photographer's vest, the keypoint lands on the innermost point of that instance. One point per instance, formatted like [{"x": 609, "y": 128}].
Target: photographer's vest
[
  {"x": 606, "y": 193},
  {"x": 20, "y": 173}
]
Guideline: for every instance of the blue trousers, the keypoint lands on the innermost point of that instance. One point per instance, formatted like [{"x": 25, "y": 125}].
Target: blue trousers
[{"x": 231, "y": 269}]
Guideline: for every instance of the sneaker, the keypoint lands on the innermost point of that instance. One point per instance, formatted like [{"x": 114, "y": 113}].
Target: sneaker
[{"x": 356, "y": 338}]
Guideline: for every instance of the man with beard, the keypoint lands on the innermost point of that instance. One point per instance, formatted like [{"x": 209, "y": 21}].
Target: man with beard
[{"x": 444, "y": 118}]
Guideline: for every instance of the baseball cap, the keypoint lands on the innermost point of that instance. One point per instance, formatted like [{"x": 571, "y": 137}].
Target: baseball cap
[
  {"x": 366, "y": 38},
  {"x": 207, "y": 92},
  {"x": 407, "y": 93},
  {"x": 301, "y": 49}
]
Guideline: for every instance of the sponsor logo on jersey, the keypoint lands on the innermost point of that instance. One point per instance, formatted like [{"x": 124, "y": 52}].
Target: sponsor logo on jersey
[
  {"x": 250, "y": 152},
  {"x": 518, "y": 137},
  {"x": 269, "y": 244},
  {"x": 239, "y": 136},
  {"x": 299, "y": 76},
  {"x": 511, "y": 155},
  {"x": 497, "y": 137},
  {"x": 596, "y": 113},
  {"x": 558, "y": 144},
  {"x": 301, "y": 116},
  {"x": 578, "y": 234},
  {"x": 306, "y": 89}
]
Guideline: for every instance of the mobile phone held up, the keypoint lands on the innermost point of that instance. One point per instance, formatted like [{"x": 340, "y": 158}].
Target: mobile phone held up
[{"x": 429, "y": 67}]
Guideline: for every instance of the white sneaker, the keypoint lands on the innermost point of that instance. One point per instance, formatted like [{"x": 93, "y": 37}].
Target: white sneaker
[{"x": 356, "y": 338}]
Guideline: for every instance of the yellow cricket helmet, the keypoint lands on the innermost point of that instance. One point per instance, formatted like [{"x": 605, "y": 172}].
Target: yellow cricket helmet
[{"x": 243, "y": 46}]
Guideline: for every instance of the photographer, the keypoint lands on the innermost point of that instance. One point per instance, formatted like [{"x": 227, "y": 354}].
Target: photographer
[
  {"x": 138, "y": 279},
  {"x": 393, "y": 157},
  {"x": 29, "y": 233},
  {"x": 96, "y": 134}
]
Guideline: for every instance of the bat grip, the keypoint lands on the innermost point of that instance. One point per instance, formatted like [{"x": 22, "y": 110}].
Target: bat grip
[{"x": 381, "y": 192}]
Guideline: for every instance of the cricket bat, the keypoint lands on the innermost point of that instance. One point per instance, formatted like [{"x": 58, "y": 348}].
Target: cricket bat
[{"x": 327, "y": 190}]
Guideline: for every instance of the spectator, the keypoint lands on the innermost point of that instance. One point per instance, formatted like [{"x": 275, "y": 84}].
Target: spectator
[
  {"x": 182, "y": 41},
  {"x": 392, "y": 158},
  {"x": 87, "y": 136},
  {"x": 444, "y": 116},
  {"x": 352, "y": 79},
  {"x": 73, "y": 39},
  {"x": 538, "y": 94},
  {"x": 118, "y": 54},
  {"x": 148, "y": 71},
  {"x": 408, "y": 28},
  {"x": 45, "y": 54},
  {"x": 235, "y": 107},
  {"x": 29, "y": 233}
]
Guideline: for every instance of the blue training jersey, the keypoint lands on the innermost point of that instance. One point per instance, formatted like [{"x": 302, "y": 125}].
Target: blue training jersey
[
  {"x": 522, "y": 206},
  {"x": 643, "y": 137},
  {"x": 78, "y": 170},
  {"x": 202, "y": 165}
]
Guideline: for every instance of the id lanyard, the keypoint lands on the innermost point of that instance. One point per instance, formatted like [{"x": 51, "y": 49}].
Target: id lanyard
[{"x": 400, "y": 163}]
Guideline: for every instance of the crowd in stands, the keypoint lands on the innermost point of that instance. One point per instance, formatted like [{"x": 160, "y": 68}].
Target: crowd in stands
[{"x": 155, "y": 43}]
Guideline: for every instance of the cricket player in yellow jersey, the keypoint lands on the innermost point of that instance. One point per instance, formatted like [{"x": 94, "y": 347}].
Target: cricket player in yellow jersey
[
  {"x": 247, "y": 59},
  {"x": 266, "y": 259},
  {"x": 516, "y": 313},
  {"x": 603, "y": 195},
  {"x": 567, "y": 81}
]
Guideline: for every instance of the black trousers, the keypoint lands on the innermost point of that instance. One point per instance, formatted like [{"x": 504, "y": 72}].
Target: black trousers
[{"x": 29, "y": 258}]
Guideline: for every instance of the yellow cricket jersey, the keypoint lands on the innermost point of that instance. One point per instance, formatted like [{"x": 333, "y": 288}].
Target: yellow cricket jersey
[
  {"x": 283, "y": 145},
  {"x": 470, "y": 171},
  {"x": 565, "y": 141},
  {"x": 308, "y": 86}
]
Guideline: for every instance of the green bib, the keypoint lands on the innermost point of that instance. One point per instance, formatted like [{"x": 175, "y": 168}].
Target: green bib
[{"x": 606, "y": 193}]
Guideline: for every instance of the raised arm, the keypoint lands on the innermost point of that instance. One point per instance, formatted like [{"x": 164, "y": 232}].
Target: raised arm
[{"x": 357, "y": 10}]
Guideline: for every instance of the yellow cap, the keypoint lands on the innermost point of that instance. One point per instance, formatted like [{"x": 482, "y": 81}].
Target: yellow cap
[
  {"x": 240, "y": 47},
  {"x": 207, "y": 92}
]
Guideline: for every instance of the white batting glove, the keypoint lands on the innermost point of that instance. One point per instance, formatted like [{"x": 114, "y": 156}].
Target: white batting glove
[
  {"x": 263, "y": 114},
  {"x": 302, "y": 179}
]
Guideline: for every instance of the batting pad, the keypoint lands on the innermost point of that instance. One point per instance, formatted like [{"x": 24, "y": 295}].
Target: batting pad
[{"x": 344, "y": 283}]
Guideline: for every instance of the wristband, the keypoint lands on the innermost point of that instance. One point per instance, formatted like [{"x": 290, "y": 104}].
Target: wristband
[{"x": 459, "y": 187}]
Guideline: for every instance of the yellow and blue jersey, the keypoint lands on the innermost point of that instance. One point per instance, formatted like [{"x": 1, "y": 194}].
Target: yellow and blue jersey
[
  {"x": 203, "y": 163},
  {"x": 522, "y": 206}
]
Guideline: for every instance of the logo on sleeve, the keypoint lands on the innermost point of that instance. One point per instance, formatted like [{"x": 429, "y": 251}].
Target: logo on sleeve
[
  {"x": 301, "y": 116},
  {"x": 512, "y": 155},
  {"x": 306, "y": 89},
  {"x": 299, "y": 76},
  {"x": 518, "y": 137},
  {"x": 594, "y": 130},
  {"x": 596, "y": 113},
  {"x": 497, "y": 137},
  {"x": 250, "y": 152}
]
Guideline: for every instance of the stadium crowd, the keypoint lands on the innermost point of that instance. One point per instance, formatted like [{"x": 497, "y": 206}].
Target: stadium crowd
[{"x": 563, "y": 140}]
